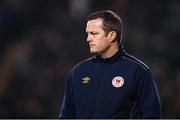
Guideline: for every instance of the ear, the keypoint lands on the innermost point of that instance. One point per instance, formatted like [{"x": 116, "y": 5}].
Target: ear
[{"x": 112, "y": 36}]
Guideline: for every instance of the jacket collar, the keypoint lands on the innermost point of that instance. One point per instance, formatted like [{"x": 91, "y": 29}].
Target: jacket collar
[{"x": 116, "y": 56}]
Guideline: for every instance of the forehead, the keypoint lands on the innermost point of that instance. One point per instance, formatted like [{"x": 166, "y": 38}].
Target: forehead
[{"x": 98, "y": 23}]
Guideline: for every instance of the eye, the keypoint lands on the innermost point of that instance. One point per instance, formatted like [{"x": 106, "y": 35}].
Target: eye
[{"x": 93, "y": 33}]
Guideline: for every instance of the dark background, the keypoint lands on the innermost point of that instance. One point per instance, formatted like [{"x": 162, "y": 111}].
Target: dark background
[{"x": 41, "y": 40}]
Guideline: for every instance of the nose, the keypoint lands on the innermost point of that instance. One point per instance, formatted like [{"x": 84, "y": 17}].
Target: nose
[{"x": 89, "y": 38}]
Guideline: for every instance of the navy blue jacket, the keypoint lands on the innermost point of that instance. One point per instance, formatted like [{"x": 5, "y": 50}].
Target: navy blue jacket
[{"x": 117, "y": 87}]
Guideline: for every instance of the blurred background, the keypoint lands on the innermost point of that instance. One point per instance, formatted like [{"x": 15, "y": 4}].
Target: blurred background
[{"x": 41, "y": 40}]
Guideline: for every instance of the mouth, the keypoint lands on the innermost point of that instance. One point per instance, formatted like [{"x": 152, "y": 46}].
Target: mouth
[{"x": 91, "y": 45}]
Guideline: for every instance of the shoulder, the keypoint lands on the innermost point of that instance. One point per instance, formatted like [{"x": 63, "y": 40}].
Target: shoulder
[
  {"x": 82, "y": 64},
  {"x": 141, "y": 69},
  {"x": 134, "y": 61}
]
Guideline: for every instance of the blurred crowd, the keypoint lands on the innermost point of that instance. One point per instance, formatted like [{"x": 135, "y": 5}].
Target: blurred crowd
[{"x": 41, "y": 40}]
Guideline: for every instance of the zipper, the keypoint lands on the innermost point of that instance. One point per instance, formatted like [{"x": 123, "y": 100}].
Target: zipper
[{"x": 100, "y": 84}]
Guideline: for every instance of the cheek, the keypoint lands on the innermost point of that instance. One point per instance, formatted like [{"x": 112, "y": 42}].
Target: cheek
[{"x": 102, "y": 43}]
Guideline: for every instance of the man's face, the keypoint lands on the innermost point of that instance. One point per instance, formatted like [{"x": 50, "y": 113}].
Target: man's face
[{"x": 96, "y": 37}]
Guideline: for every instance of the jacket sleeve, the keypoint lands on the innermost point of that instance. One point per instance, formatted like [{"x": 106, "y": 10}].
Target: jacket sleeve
[
  {"x": 148, "y": 99},
  {"x": 68, "y": 107}
]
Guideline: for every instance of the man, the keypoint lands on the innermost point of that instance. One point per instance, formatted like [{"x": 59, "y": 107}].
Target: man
[{"x": 111, "y": 84}]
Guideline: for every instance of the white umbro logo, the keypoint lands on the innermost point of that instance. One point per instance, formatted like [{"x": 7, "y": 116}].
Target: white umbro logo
[{"x": 117, "y": 81}]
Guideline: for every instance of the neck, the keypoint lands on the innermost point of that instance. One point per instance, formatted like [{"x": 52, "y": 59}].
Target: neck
[{"x": 110, "y": 52}]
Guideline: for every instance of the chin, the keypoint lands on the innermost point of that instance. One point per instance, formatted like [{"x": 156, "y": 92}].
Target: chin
[{"x": 93, "y": 51}]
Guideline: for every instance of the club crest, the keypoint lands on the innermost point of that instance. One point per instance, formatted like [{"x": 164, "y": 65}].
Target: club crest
[{"x": 117, "y": 81}]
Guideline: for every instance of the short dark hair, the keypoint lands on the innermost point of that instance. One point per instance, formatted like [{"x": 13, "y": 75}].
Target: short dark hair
[{"x": 111, "y": 22}]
